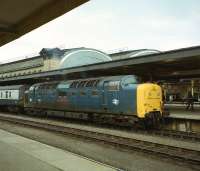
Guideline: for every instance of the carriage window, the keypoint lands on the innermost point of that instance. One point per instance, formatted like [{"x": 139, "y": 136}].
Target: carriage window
[
  {"x": 6, "y": 94},
  {"x": 9, "y": 94},
  {"x": 113, "y": 85},
  {"x": 1, "y": 94}
]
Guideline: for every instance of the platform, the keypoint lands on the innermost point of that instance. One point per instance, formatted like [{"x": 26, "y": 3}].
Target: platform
[
  {"x": 181, "y": 119},
  {"x": 185, "y": 114},
  {"x": 22, "y": 154},
  {"x": 179, "y": 111}
]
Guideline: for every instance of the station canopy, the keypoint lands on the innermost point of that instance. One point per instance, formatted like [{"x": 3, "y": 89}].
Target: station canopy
[{"x": 20, "y": 17}]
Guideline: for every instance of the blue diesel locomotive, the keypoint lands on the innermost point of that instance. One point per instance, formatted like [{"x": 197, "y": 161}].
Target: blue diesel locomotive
[{"x": 118, "y": 99}]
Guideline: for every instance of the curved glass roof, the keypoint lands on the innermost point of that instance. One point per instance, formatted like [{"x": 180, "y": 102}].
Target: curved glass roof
[{"x": 82, "y": 56}]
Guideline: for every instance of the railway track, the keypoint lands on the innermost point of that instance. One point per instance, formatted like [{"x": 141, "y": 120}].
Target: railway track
[
  {"x": 180, "y": 154},
  {"x": 191, "y": 136}
]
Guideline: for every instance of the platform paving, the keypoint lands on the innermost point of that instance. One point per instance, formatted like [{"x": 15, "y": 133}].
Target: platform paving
[{"x": 22, "y": 154}]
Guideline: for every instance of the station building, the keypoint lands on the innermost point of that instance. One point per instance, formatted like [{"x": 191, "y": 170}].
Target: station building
[
  {"x": 52, "y": 59},
  {"x": 175, "y": 90}
]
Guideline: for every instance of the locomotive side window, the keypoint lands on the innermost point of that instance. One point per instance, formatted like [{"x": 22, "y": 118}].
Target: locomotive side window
[
  {"x": 82, "y": 93},
  {"x": 113, "y": 85},
  {"x": 73, "y": 93},
  {"x": 94, "y": 93},
  {"x": 129, "y": 81},
  {"x": 62, "y": 93}
]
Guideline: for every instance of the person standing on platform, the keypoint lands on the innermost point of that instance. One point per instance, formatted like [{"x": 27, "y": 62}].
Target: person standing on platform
[{"x": 190, "y": 101}]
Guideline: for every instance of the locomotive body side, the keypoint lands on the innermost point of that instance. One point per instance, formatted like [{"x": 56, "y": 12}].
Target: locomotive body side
[
  {"x": 108, "y": 98},
  {"x": 95, "y": 96}
]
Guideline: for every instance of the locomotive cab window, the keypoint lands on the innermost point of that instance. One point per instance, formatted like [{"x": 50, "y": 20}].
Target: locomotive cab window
[
  {"x": 129, "y": 81},
  {"x": 63, "y": 86},
  {"x": 113, "y": 85}
]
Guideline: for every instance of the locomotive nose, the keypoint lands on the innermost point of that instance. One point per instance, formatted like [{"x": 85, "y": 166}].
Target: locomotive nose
[{"x": 149, "y": 99}]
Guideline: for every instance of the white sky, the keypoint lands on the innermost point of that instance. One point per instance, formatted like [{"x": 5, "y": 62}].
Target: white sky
[{"x": 115, "y": 24}]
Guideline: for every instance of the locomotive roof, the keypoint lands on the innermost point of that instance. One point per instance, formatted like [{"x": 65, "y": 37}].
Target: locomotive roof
[{"x": 106, "y": 78}]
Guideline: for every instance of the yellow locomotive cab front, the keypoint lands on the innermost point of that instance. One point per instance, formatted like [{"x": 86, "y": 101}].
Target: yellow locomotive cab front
[{"x": 149, "y": 100}]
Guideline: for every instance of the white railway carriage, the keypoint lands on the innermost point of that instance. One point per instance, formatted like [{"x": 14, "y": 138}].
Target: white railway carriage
[{"x": 12, "y": 97}]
